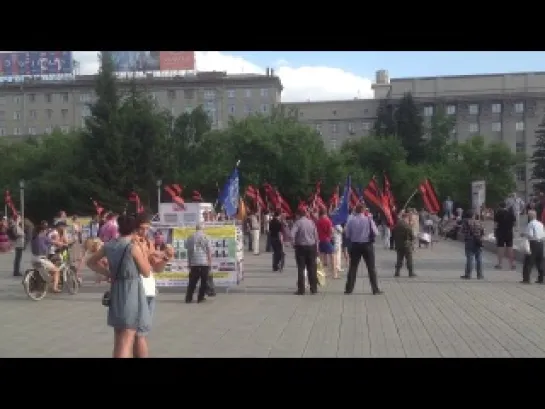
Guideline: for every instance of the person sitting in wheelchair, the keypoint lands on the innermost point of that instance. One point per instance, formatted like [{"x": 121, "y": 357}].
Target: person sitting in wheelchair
[{"x": 40, "y": 247}]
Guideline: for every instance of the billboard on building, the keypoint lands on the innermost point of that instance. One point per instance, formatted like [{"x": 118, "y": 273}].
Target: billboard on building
[
  {"x": 20, "y": 63},
  {"x": 128, "y": 61}
]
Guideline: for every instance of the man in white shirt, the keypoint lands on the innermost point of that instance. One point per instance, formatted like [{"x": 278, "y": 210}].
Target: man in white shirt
[{"x": 535, "y": 235}]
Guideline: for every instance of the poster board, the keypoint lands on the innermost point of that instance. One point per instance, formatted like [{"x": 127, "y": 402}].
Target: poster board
[
  {"x": 227, "y": 254},
  {"x": 478, "y": 194}
]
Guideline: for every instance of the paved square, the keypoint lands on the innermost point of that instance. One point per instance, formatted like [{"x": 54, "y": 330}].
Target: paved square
[{"x": 434, "y": 315}]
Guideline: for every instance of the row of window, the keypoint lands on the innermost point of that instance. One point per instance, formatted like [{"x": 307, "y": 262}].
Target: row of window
[
  {"x": 496, "y": 127},
  {"x": 351, "y": 127},
  {"x": 34, "y": 114},
  {"x": 32, "y": 130},
  {"x": 474, "y": 109}
]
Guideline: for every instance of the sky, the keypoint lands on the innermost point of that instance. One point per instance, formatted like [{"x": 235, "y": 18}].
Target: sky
[{"x": 332, "y": 75}]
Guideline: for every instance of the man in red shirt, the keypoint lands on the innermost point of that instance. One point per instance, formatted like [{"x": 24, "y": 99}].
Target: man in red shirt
[{"x": 325, "y": 236}]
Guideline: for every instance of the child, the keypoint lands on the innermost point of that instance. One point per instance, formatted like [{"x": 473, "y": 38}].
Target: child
[{"x": 91, "y": 246}]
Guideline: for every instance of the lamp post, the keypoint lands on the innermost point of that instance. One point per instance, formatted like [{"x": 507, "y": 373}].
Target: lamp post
[
  {"x": 22, "y": 195},
  {"x": 159, "y": 184}
]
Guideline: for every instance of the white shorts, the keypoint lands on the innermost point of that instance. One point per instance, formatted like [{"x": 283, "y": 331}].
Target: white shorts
[{"x": 44, "y": 262}]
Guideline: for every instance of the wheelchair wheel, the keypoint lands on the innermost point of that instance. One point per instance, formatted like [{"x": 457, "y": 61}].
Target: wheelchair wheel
[
  {"x": 34, "y": 285},
  {"x": 72, "y": 282}
]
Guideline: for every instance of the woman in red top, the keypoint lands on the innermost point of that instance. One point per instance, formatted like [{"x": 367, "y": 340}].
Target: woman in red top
[{"x": 325, "y": 238}]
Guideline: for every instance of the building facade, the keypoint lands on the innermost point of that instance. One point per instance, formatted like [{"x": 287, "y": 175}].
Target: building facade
[
  {"x": 500, "y": 107},
  {"x": 37, "y": 107}
]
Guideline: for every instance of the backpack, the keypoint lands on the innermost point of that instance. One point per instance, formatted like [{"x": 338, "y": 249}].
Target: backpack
[{"x": 12, "y": 233}]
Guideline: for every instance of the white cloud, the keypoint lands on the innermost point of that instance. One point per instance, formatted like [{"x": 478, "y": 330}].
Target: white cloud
[{"x": 301, "y": 83}]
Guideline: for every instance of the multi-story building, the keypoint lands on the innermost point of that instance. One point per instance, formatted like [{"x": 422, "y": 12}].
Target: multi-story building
[
  {"x": 501, "y": 107},
  {"x": 37, "y": 107}
]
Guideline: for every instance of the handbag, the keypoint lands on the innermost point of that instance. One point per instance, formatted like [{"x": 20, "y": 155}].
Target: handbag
[{"x": 107, "y": 294}]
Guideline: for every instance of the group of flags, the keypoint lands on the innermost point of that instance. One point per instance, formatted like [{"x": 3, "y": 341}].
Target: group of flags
[{"x": 9, "y": 203}]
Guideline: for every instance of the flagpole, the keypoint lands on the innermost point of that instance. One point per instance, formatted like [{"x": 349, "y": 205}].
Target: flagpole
[{"x": 409, "y": 199}]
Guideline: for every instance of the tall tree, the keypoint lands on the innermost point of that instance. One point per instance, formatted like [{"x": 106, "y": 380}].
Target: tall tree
[
  {"x": 410, "y": 129},
  {"x": 385, "y": 124},
  {"x": 438, "y": 145},
  {"x": 538, "y": 158}
]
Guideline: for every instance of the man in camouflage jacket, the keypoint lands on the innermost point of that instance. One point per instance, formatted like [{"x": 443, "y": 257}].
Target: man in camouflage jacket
[{"x": 404, "y": 243}]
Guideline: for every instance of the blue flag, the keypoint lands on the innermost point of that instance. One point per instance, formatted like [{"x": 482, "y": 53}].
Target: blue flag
[
  {"x": 341, "y": 213},
  {"x": 229, "y": 196}
]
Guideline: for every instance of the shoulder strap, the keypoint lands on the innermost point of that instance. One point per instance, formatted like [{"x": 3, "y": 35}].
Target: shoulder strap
[{"x": 120, "y": 263}]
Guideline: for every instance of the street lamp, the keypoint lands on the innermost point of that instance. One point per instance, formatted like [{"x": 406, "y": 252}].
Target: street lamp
[
  {"x": 22, "y": 195},
  {"x": 159, "y": 184}
]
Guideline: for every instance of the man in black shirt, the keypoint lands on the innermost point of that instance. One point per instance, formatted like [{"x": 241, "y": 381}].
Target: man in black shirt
[
  {"x": 275, "y": 232},
  {"x": 505, "y": 222}
]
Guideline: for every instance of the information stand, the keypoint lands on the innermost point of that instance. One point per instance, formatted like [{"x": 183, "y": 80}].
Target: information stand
[{"x": 227, "y": 254}]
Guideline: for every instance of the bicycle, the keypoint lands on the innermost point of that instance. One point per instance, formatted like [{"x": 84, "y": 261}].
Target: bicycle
[{"x": 36, "y": 280}]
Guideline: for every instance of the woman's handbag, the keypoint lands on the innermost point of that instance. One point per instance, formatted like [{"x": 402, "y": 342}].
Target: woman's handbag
[{"x": 107, "y": 294}]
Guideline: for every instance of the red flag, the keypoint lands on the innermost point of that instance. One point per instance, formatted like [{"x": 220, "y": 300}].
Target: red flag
[
  {"x": 374, "y": 197},
  {"x": 388, "y": 192},
  {"x": 133, "y": 197},
  {"x": 9, "y": 202},
  {"x": 271, "y": 193},
  {"x": 177, "y": 188},
  {"x": 196, "y": 197},
  {"x": 253, "y": 193},
  {"x": 175, "y": 198},
  {"x": 334, "y": 199},
  {"x": 353, "y": 198},
  {"x": 429, "y": 196},
  {"x": 98, "y": 208}
]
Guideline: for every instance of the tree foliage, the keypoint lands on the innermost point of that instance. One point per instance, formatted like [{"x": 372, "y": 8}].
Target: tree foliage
[
  {"x": 538, "y": 158},
  {"x": 129, "y": 143}
]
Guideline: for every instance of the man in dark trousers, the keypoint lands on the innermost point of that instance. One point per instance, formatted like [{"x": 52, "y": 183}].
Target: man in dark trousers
[
  {"x": 305, "y": 242},
  {"x": 535, "y": 235},
  {"x": 199, "y": 261},
  {"x": 404, "y": 240},
  {"x": 361, "y": 230},
  {"x": 275, "y": 233}
]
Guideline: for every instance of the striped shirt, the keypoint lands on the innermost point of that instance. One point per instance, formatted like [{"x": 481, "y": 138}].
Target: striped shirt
[
  {"x": 304, "y": 232},
  {"x": 358, "y": 229},
  {"x": 198, "y": 248}
]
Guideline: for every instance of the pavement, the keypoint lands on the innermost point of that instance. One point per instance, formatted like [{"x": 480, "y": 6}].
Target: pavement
[{"x": 433, "y": 315}]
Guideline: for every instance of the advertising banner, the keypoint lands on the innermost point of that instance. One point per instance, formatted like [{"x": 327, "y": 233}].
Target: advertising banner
[
  {"x": 35, "y": 63},
  {"x": 478, "y": 194},
  {"x": 129, "y": 61},
  {"x": 226, "y": 256}
]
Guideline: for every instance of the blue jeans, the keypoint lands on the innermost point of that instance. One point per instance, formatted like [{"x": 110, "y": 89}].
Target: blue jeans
[{"x": 473, "y": 252}]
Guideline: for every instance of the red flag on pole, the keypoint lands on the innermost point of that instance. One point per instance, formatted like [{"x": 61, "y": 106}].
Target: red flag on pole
[
  {"x": 429, "y": 196},
  {"x": 175, "y": 198}
]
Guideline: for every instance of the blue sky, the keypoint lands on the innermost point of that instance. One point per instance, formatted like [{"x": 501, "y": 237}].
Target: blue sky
[
  {"x": 327, "y": 75},
  {"x": 407, "y": 63}
]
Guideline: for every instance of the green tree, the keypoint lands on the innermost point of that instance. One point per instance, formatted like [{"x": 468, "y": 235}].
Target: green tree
[
  {"x": 385, "y": 124},
  {"x": 410, "y": 129},
  {"x": 438, "y": 146},
  {"x": 538, "y": 158}
]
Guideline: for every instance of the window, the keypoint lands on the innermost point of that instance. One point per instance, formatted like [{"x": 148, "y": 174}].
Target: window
[
  {"x": 171, "y": 94},
  {"x": 496, "y": 126},
  {"x": 64, "y": 113},
  {"x": 17, "y": 115},
  {"x": 496, "y": 108},
  {"x": 173, "y": 111},
  {"x": 16, "y": 131},
  {"x": 210, "y": 105},
  {"x": 2, "y": 115},
  {"x": 334, "y": 128},
  {"x": 350, "y": 128},
  {"x": 366, "y": 126},
  {"x": 64, "y": 97},
  {"x": 519, "y": 107},
  {"x": 319, "y": 128},
  {"x": 65, "y": 129},
  {"x": 232, "y": 109},
  {"x": 33, "y": 114},
  {"x": 428, "y": 111},
  {"x": 451, "y": 109},
  {"x": 49, "y": 113},
  {"x": 247, "y": 109},
  {"x": 231, "y": 93},
  {"x": 49, "y": 98},
  {"x": 17, "y": 99},
  {"x": 519, "y": 126},
  {"x": 473, "y": 128},
  {"x": 264, "y": 108},
  {"x": 85, "y": 97},
  {"x": 334, "y": 144},
  {"x": 521, "y": 174},
  {"x": 474, "y": 109},
  {"x": 248, "y": 93},
  {"x": 189, "y": 94},
  {"x": 31, "y": 97},
  {"x": 519, "y": 147},
  {"x": 48, "y": 130},
  {"x": 209, "y": 94},
  {"x": 2, "y": 131},
  {"x": 188, "y": 109},
  {"x": 85, "y": 111},
  {"x": 32, "y": 130},
  {"x": 264, "y": 92},
  {"x": 2, "y": 100}
]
